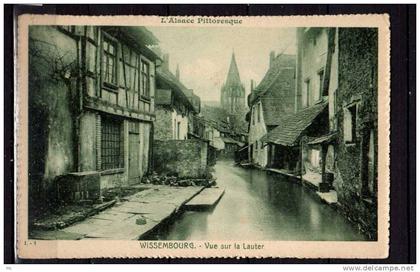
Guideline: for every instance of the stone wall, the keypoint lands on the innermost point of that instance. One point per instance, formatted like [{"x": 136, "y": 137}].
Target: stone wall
[
  {"x": 167, "y": 121},
  {"x": 163, "y": 124},
  {"x": 182, "y": 158},
  {"x": 52, "y": 110},
  {"x": 357, "y": 83}
]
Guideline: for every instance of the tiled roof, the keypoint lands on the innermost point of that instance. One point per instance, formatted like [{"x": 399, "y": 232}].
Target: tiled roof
[
  {"x": 220, "y": 116},
  {"x": 275, "y": 101},
  {"x": 323, "y": 139},
  {"x": 229, "y": 140},
  {"x": 272, "y": 111},
  {"x": 138, "y": 37},
  {"x": 138, "y": 33},
  {"x": 291, "y": 126},
  {"x": 179, "y": 88},
  {"x": 281, "y": 62},
  {"x": 163, "y": 97},
  {"x": 217, "y": 114}
]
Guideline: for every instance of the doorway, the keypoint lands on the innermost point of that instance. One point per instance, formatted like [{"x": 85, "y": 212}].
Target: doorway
[{"x": 133, "y": 153}]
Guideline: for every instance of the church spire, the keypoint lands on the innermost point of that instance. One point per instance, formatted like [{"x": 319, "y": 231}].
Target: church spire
[
  {"x": 233, "y": 77},
  {"x": 233, "y": 92}
]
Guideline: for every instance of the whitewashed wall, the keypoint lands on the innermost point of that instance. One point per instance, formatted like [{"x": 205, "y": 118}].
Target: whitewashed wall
[{"x": 256, "y": 131}]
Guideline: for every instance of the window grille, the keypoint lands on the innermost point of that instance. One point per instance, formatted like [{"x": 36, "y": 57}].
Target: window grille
[{"x": 111, "y": 144}]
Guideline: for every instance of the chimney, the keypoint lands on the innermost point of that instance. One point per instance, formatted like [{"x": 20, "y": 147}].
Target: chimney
[
  {"x": 165, "y": 63},
  {"x": 272, "y": 57},
  {"x": 252, "y": 85},
  {"x": 177, "y": 72}
]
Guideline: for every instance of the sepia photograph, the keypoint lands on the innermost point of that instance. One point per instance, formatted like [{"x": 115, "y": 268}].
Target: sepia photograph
[{"x": 178, "y": 136}]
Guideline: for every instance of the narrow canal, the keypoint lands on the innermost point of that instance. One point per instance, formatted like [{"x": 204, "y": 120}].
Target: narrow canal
[{"x": 260, "y": 206}]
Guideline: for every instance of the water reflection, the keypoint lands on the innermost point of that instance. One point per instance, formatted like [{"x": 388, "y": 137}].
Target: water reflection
[{"x": 260, "y": 206}]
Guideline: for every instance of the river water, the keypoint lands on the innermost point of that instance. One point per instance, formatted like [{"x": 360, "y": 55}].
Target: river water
[{"x": 260, "y": 206}]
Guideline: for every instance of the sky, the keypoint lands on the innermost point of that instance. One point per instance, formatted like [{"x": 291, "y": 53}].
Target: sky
[{"x": 204, "y": 54}]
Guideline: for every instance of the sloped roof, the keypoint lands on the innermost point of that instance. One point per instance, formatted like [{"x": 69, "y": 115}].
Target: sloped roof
[
  {"x": 136, "y": 36},
  {"x": 275, "y": 102},
  {"x": 220, "y": 126},
  {"x": 220, "y": 117},
  {"x": 229, "y": 140},
  {"x": 272, "y": 111},
  {"x": 182, "y": 91},
  {"x": 291, "y": 126},
  {"x": 139, "y": 34},
  {"x": 214, "y": 113},
  {"x": 163, "y": 97},
  {"x": 281, "y": 62},
  {"x": 233, "y": 77},
  {"x": 324, "y": 139}
]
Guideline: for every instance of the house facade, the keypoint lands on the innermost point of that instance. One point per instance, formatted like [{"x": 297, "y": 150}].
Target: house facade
[
  {"x": 341, "y": 156},
  {"x": 309, "y": 118},
  {"x": 226, "y": 127},
  {"x": 91, "y": 108},
  {"x": 175, "y": 106},
  {"x": 354, "y": 119},
  {"x": 213, "y": 135},
  {"x": 271, "y": 99},
  {"x": 180, "y": 145},
  {"x": 313, "y": 73}
]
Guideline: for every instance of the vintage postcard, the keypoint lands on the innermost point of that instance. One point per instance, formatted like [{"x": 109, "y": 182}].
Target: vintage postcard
[{"x": 147, "y": 136}]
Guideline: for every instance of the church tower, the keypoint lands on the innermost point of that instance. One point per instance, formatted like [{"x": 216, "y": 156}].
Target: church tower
[{"x": 232, "y": 96}]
